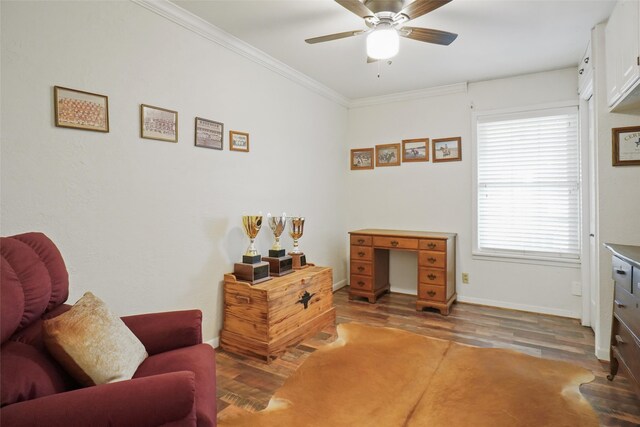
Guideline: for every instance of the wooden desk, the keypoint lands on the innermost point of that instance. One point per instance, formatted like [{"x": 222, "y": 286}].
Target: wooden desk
[{"x": 369, "y": 264}]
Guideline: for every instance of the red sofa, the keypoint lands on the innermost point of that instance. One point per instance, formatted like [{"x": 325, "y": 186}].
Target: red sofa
[{"x": 174, "y": 386}]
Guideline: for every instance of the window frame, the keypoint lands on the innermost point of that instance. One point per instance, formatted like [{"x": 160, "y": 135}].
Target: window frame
[{"x": 477, "y": 253}]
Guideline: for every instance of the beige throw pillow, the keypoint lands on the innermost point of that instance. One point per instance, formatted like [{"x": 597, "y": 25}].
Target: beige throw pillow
[{"x": 93, "y": 344}]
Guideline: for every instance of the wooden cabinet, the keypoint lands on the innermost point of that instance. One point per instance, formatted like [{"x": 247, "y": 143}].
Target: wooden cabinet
[
  {"x": 369, "y": 272},
  {"x": 625, "y": 331},
  {"x": 622, "y": 45},
  {"x": 264, "y": 319}
]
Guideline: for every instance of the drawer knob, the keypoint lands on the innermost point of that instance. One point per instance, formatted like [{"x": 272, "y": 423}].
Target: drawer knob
[
  {"x": 360, "y": 254},
  {"x": 394, "y": 243},
  {"x": 621, "y": 272},
  {"x": 360, "y": 268},
  {"x": 431, "y": 276},
  {"x": 305, "y": 298},
  {"x": 361, "y": 241},
  {"x": 431, "y": 293},
  {"x": 619, "y": 304},
  {"x": 431, "y": 259},
  {"x": 431, "y": 245},
  {"x": 360, "y": 283},
  {"x": 619, "y": 339}
]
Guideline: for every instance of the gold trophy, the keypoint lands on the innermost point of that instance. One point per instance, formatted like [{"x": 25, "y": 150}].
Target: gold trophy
[
  {"x": 280, "y": 264},
  {"x": 296, "y": 228},
  {"x": 252, "y": 269}
]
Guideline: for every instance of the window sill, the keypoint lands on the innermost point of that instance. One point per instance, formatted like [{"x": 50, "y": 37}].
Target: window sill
[{"x": 524, "y": 259}]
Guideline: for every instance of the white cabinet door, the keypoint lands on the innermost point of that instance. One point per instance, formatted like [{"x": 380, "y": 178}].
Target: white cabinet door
[
  {"x": 613, "y": 54},
  {"x": 629, "y": 71}
]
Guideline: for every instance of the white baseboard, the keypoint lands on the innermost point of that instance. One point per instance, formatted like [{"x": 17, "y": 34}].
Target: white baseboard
[
  {"x": 602, "y": 353},
  {"x": 215, "y": 342},
  {"x": 339, "y": 285},
  {"x": 403, "y": 291},
  {"x": 521, "y": 307}
]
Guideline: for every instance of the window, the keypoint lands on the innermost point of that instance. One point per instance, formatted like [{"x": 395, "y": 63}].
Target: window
[{"x": 528, "y": 185}]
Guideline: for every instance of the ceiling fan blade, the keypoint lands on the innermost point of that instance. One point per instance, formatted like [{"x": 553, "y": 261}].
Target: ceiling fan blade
[
  {"x": 371, "y": 60},
  {"x": 428, "y": 35},
  {"x": 418, "y": 8},
  {"x": 335, "y": 36},
  {"x": 356, "y": 7}
]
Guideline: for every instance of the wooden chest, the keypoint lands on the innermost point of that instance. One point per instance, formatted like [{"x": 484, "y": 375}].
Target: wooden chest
[{"x": 263, "y": 320}]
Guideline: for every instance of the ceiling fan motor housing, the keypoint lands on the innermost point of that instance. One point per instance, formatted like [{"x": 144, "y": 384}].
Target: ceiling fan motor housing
[{"x": 377, "y": 6}]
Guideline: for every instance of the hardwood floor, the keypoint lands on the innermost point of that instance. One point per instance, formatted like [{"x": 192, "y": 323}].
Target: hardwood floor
[{"x": 249, "y": 384}]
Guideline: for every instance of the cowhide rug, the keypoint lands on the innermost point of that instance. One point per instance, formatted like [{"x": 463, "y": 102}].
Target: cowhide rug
[{"x": 387, "y": 377}]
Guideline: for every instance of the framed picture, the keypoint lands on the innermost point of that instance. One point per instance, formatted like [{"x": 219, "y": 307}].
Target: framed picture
[
  {"x": 158, "y": 123},
  {"x": 415, "y": 150},
  {"x": 446, "y": 149},
  {"x": 208, "y": 133},
  {"x": 238, "y": 141},
  {"x": 77, "y": 109},
  {"x": 361, "y": 158},
  {"x": 388, "y": 155},
  {"x": 626, "y": 146}
]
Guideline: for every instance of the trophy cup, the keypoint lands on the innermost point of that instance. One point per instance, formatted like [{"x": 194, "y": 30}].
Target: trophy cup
[
  {"x": 296, "y": 228},
  {"x": 279, "y": 263},
  {"x": 252, "y": 269}
]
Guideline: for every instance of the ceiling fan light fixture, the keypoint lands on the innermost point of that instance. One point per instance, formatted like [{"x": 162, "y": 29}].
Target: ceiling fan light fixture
[{"x": 383, "y": 43}]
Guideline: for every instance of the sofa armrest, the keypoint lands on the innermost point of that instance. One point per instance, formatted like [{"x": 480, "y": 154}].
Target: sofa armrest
[
  {"x": 141, "y": 402},
  {"x": 160, "y": 332}
]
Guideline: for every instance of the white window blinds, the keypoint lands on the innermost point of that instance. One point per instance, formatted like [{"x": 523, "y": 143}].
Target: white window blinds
[{"x": 528, "y": 178}]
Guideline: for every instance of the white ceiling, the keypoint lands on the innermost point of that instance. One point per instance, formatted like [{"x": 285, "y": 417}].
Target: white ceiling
[{"x": 497, "y": 38}]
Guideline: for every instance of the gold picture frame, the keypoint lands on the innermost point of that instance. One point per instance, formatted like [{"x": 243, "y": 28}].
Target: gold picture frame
[
  {"x": 238, "y": 141},
  {"x": 626, "y": 146},
  {"x": 446, "y": 149},
  {"x": 77, "y": 109},
  {"x": 158, "y": 123},
  {"x": 415, "y": 150},
  {"x": 361, "y": 158},
  {"x": 388, "y": 155}
]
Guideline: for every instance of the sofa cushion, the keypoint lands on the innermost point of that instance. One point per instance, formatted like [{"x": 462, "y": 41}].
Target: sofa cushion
[
  {"x": 26, "y": 373},
  {"x": 199, "y": 359},
  {"x": 92, "y": 344}
]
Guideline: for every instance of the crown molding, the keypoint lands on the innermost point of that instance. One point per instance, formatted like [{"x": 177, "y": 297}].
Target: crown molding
[
  {"x": 210, "y": 32},
  {"x": 409, "y": 95}
]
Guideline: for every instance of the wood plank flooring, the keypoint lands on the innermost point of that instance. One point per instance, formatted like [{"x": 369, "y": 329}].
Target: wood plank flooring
[{"x": 249, "y": 384}]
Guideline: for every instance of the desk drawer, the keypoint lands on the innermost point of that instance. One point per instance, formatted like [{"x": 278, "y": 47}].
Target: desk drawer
[
  {"x": 360, "y": 240},
  {"x": 359, "y": 282},
  {"x": 363, "y": 268},
  {"x": 433, "y": 245},
  {"x": 361, "y": 253},
  {"x": 628, "y": 347},
  {"x": 395, "y": 242},
  {"x": 626, "y": 307},
  {"x": 432, "y": 277},
  {"x": 621, "y": 273},
  {"x": 432, "y": 259},
  {"x": 433, "y": 293}
]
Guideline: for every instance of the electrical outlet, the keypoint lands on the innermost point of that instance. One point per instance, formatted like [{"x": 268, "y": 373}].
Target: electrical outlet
[
  {"x": 465, "y": 277},
  {"x": 576, "y": 288}
]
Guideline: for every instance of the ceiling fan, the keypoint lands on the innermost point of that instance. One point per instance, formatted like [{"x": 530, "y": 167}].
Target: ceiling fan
[{"x": 386, "y": 19}]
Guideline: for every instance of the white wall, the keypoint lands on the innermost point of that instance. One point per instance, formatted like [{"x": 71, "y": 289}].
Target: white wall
[
  {"x": 618, "y": 202},
  {"x": 437, "y": 196},
  {"x": 149, "y": 225}
]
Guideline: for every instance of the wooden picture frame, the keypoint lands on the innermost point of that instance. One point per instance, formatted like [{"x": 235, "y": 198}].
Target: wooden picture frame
[
  {"x": 77, "y": 109},
  {"x": 388, "y": 155},
  {"x": 626, "y": 146},
  {"x": 158, "y": 123},
  {"x": 361, "y": 158},
  {"x": 208, "y": 134},
  {"x": 446, "y": 149},
  {"x": 238, "y": 141},
  {"x": 415, "y": 150}
]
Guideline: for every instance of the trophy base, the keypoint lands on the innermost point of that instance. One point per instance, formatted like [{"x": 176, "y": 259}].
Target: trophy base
[
  {"x": 252, "y": 273},
  {"x": 299, "y": 260},
  {"x": 276, "y": 253},
  {"x": 251, "y": 259},
  {"x": 279, "y": 266}
]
